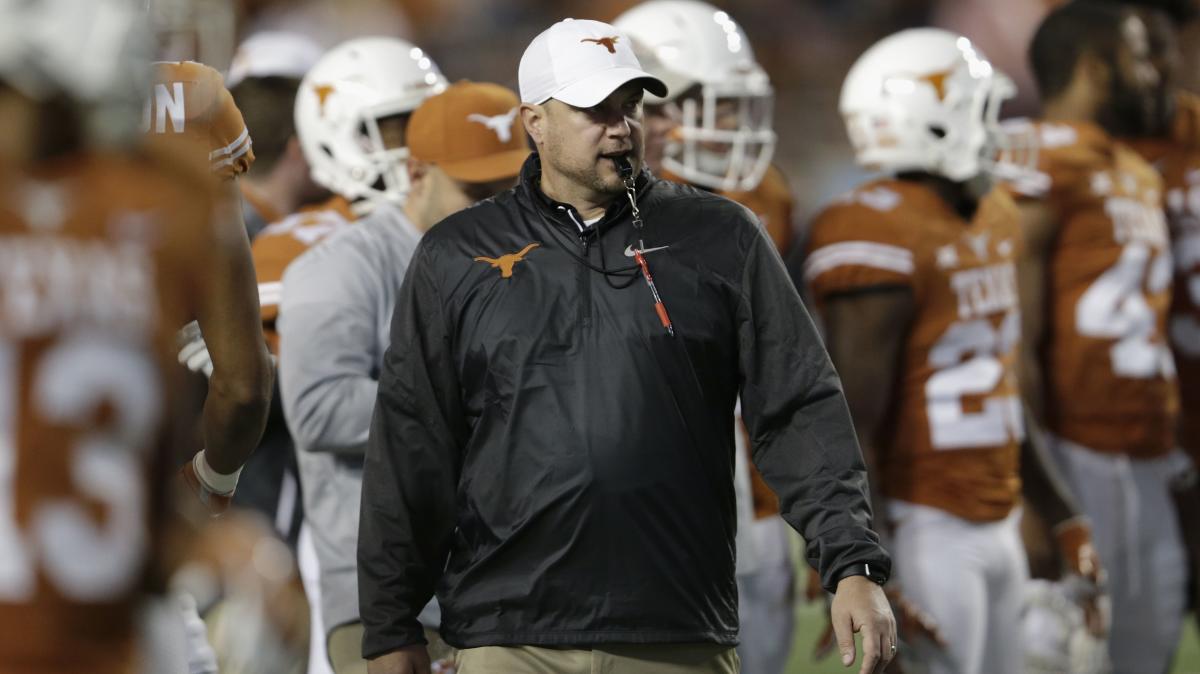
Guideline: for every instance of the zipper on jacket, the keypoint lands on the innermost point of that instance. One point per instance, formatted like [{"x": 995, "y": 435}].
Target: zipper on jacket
[
  {"x": 583, "y": 277},
  {"x": 584, "y": 283}
]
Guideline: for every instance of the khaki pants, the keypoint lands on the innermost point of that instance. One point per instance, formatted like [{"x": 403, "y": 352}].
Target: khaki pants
[
  {"x": 345, "y": 649},
  {"x": 613, "y": 659}
]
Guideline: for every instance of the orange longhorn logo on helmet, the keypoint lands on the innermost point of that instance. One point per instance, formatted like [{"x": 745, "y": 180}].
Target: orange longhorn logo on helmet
[
  {"x": 322, "y": 91},
  {"x": 938, "y": 81}
]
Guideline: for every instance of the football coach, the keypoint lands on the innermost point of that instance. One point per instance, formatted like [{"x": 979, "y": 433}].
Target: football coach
[{"x": 552, "y": 444}]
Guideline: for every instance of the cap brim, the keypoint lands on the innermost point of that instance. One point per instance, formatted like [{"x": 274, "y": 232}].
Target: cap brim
[
  {"x": 595, "y": 88},
  {"x": 486, "y": 169}
]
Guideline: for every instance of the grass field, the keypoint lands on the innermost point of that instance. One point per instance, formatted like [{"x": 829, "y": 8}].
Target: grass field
[{"x": 810, "y": 621}]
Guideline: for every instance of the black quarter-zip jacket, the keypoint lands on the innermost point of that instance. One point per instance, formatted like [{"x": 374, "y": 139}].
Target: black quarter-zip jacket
[{"x": 556, "y": 465}]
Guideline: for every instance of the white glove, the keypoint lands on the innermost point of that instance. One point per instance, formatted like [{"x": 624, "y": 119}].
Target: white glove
[{"x": 193, "y": 352}]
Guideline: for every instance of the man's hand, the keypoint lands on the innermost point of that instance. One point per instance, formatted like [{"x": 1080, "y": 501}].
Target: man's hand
[
  {"x": 214, "y": 490},
  {"x": 859, "y": 605},
  {"x": 1085, "y": 578},
  {"x": 412, "y": 659}
]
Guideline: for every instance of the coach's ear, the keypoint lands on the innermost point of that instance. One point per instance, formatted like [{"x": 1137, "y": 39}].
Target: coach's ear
[
  {"x": 418, "y": 178},
  {"x": 534, "y": 118}
]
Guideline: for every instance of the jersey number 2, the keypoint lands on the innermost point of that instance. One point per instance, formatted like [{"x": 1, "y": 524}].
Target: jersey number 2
[{"x": 950, "y": 425}]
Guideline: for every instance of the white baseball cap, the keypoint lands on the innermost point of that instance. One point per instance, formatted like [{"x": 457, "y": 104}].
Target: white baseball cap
[
  {"x": 273, "y": 54},
  {"x": 580, "y": 62}
]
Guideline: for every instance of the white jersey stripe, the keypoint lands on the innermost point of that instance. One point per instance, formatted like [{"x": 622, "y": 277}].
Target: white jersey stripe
[
  {"x": 228, "y": 149},
  {"x": 861, "y": 253},
  {"x": 229, "y": 160}
]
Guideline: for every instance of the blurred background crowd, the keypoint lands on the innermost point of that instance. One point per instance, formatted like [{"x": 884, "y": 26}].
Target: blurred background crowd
[{"x": 805, "y": 46}]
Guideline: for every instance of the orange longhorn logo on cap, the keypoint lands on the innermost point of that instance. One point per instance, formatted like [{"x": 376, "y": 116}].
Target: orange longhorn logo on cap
[
  {"x": 322, "y": 91},
  {"x": 609, "y": 43},
  {"x": 505, "y": 263}
]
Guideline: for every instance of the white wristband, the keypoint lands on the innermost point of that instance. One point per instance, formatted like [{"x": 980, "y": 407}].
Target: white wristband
[{"x": 217, "y": 483}]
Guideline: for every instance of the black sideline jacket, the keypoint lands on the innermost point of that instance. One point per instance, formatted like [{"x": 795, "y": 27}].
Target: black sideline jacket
[{"x": 556, "y": 465}]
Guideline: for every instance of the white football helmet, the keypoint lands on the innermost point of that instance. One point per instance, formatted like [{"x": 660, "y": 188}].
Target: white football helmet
[
  {"x": 93, "y": 53},
  {"x": 688, "y": 45},
  {"x": 925, "y": 99},
  {"x": 338, "y": 107},
  {"x": 1055, "y": 636}
]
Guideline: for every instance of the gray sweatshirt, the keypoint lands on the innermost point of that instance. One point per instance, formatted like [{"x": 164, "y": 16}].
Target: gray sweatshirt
[{"x": 334, "y": 325}]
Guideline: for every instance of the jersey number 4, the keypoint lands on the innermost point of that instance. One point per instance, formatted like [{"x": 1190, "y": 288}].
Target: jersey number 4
[
  {"x": 1115, "y": 307},
  {"x": 84, "y": 560}
]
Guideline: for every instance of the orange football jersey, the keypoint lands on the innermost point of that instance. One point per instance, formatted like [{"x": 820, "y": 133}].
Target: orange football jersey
[
  {"x": 1110, "y": 375},
  {"x": 279, "y": 244},
  {"x": 773, "y": 203},
  {"x": 956, "y": 413},
  {"x": 190, "y": 106},
  {"x": 100, "y": 263},
  {"x": 1177, "y": 157}
]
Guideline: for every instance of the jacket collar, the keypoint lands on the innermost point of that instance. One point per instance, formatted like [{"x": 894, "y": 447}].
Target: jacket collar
[{"x": 529, "y": 191}]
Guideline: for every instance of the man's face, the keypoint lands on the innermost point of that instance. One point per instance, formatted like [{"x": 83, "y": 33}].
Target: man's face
[
  {"x": 661, "y": 122},
  {"x": 1166, "y": 56},
  {"x": 1132, "y": 104},
  {"x": 581, "y": 143},
  {"x": 392, "y": 128},
  {"x": 447, "y": 196}
]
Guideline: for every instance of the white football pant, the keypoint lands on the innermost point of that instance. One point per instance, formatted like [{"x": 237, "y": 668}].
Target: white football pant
[
  {"x": 1136, "y": 532},
  {"x": 969, "y": 577}
]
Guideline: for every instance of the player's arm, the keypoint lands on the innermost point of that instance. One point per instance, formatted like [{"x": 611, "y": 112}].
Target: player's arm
[
  {"x": 865, "y": 333},
  {"x": 239, "y": 390},
  {"x": 1039, "y": 228},
  {"x": 1042, "y": 486}
]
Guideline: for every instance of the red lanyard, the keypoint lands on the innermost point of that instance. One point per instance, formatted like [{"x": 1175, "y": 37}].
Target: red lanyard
[
  {"x": 626, "y": 171},
  {"x": 659, "y": 307}
]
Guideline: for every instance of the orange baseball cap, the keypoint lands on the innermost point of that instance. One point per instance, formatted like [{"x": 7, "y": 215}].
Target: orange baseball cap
[{"x": 472, "y": 131}]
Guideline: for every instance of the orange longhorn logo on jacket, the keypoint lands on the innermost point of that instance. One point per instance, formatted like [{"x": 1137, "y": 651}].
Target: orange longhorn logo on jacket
[
  {"x": 609, "y": 43},
  {"x": 505, "y": 263}
]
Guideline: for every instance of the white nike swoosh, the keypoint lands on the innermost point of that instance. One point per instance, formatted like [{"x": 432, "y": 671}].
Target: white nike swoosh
[{"x": 629, "y": 250}]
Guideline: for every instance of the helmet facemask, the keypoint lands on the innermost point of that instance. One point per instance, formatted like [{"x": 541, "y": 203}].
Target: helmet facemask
[
  {"x": 725, "y": 138},
  {"x": 384, "y": 173},
  {"x": 1012, "y": 153}
]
